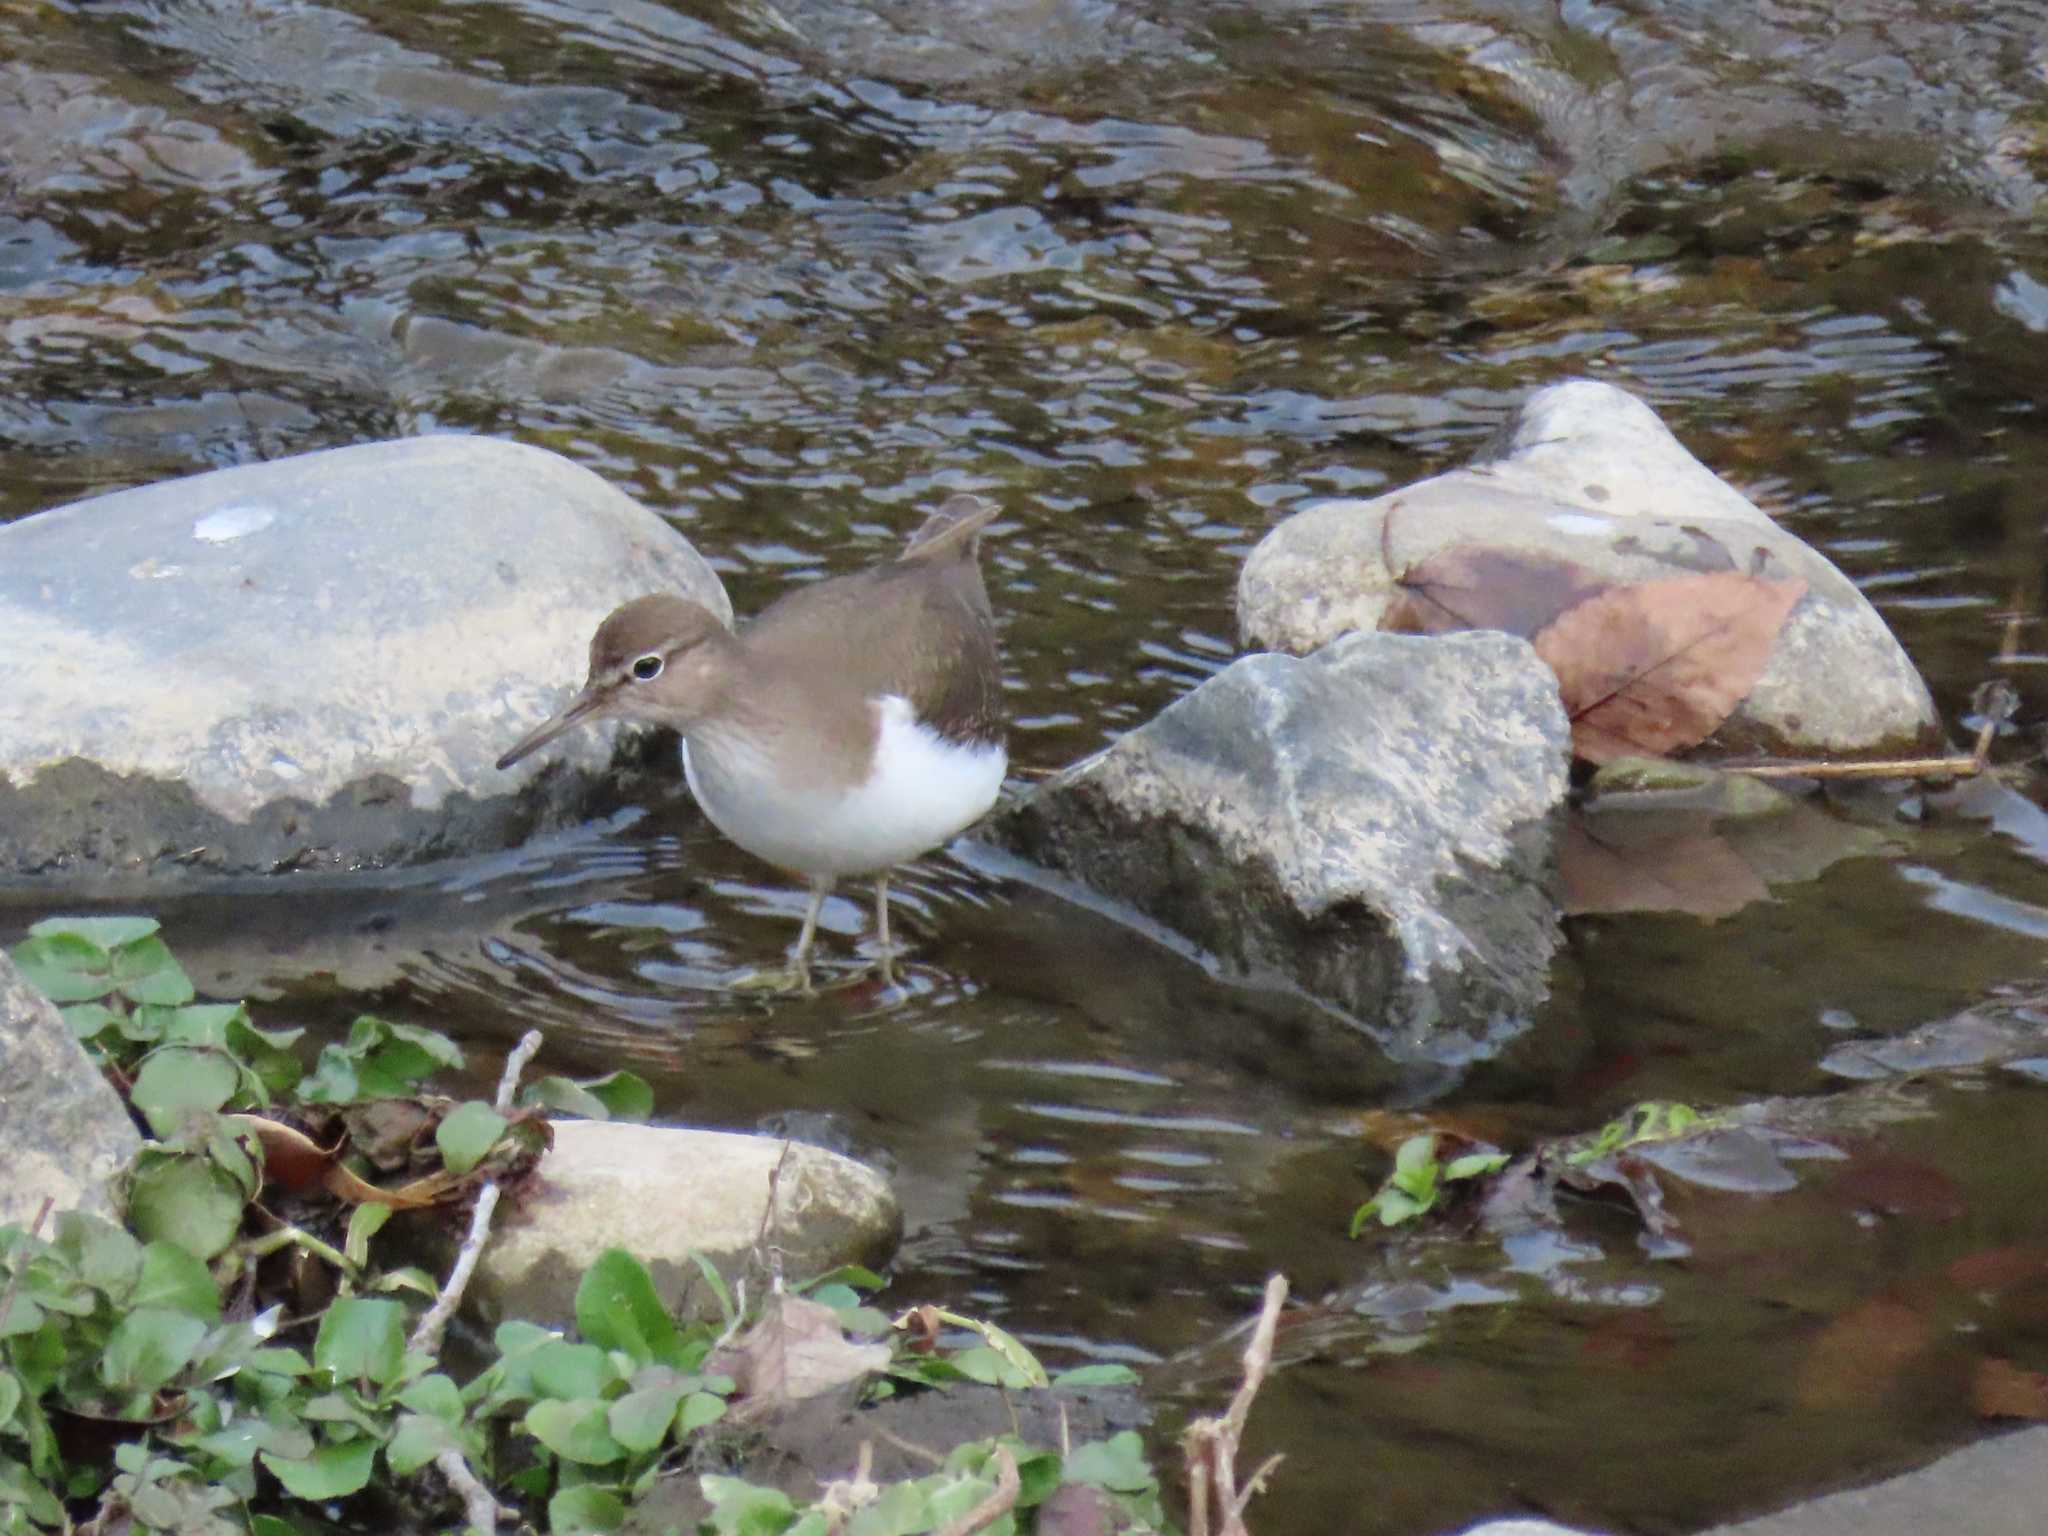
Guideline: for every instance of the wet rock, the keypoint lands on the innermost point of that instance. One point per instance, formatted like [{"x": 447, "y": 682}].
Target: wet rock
[
  {"x": 1373, "y": 823},
  {"x": 1586, "y": 473},
  {"x": 903, "y": 1436},
  {"x": 64, "y": 1132},
  {"x": 666, "y": 1194},
  {"x": 310, "y": 663}
]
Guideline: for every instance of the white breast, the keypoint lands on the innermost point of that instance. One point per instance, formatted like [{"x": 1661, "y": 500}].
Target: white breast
[{"x": 921, "y": 792}]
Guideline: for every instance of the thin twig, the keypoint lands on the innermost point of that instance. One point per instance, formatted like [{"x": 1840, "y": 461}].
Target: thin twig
[
  {"x": 908, "y": 1447},
  {"x": 14, "y": 1275},
  {"x": 1210, "y": 1445},
  {"x": 427, "y": 1336},
  {"x": 991, "y": 1509},
  {"x": 515, "y": 1064},
  {"x": 479, "y": 1504},
  {"x": 482, "y": 1508},
  {"x": 1897, "y": 768}
]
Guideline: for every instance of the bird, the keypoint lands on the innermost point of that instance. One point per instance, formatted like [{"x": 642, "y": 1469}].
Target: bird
[{"x": 852, "y": 725}]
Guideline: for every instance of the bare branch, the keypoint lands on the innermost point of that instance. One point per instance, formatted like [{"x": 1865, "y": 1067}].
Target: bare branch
[
  {"x": 996, "y": 1505},
  {"x": 1210, "y": 1445},
  {"x": 479, "y": 1507},
  {"x": 427, "y": 1336}
]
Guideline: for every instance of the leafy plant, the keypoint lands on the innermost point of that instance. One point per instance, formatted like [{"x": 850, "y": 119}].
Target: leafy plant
[
  {"x": 1418, "y": 1181},
  {"x": 1651, "y": 1120},
  {"x": 212, "y": 1419}
]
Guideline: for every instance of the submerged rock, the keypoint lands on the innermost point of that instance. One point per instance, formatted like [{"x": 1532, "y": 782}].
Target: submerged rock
[
  {"x": 668, "y": 1194},
  {"x": 1587, "y": 474},
  {"x": 64, "y": 1132},
  {"x": 310, "y": 663},
  {"x": 1373, "y": 823}
]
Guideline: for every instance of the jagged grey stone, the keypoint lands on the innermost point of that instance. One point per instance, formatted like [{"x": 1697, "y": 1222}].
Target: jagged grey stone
[
  {"x": 1374, "y": 823},
  {"x": 668, "y": 1194},
  {"x": 312, "y": 662},
  {"x": 64, "y": 1132},
  {"x": 1588, "y": 473}
]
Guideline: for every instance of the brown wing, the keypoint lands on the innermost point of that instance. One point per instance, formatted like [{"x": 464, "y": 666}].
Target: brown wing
[{"x": 919, "y": 628}]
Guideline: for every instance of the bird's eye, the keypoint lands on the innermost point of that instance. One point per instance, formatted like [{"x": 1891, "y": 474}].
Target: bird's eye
[{"x": 647, "y": 668}]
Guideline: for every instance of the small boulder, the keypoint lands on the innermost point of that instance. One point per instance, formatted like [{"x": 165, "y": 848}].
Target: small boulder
[
  {"x": 64, "y": 1132},
  {"x": 1586, "y": 478},
  {"x": 1374, "y": 823},
  {"x": 310, "y": 663},
  {"x": 665, "y": 1194}
]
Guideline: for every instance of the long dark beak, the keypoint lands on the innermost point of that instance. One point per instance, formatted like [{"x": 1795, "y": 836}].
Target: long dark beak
[{"x": 591, "y": 701}]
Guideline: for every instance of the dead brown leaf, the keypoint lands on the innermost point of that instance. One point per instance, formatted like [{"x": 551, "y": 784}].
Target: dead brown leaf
[
  {"x": 1655, "y": 668},
  {"x": 1471, "y": 586},
  {"x": 797, "y": 1350},
  {"x": 2002, "y": 1390},
  {"x": 292, "y": 1160},
  {"x": 1645, "y": 863},
  {"x": 1859, "y": 1355}
]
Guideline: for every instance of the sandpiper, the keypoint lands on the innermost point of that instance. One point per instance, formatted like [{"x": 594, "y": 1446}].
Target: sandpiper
[{"x": 854, "y": 724}]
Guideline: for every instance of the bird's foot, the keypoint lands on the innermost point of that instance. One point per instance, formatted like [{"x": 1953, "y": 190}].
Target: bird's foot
[{"x": 792, "y": 980}]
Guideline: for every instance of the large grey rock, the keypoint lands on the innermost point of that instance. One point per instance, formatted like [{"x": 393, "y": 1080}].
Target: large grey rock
[
  {"x": 1374, "y": 823},
  {"x": 310, "y": 662},
  {"x": 64, "y": 1133},
  {"x": 1586, "y": 472},
  {"x": 1997, "y": 1487},
  {"x": 667, "y": 1194}
]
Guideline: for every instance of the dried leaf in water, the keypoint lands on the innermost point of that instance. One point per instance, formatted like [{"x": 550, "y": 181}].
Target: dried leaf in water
[
  {"x": 1655, "y": 668},
  {"x": 2003, "y": 1390},
  {"x": 797, "y": 1350},
  {"x": 1643, "y": 862},
  {"x": 1857, "y": 1358},
  {"x": 1470, "y": 586}
]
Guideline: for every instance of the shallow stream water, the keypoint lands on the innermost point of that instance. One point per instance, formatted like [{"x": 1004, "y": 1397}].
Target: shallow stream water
[{"x": 1153, "y": 276}]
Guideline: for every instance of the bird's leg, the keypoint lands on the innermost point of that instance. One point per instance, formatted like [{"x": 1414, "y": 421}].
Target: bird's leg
[
  {"x": 882, "y": 926},
  {"x": 800, "y": 962}
]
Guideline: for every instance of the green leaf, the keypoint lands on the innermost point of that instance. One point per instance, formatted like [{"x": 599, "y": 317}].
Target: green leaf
[
  {"x": 987, "y": 1366},
  {"x": 185, "y": 1199},
  {"x": 332, "y": 1472},
  {"x": 99, "y": 1253},
  {"x": 178, "y": 1081},
  {"x": 562, "y": 1369},
  {"x": 64, "y": 966},
  {"x": 364, "y": 1223},
  {"x": 89, "y": 1019},
  {"x": 10, "y": 1397},
  {"x": 617, "y": 1308},
  {"x": 173, "y": 1278},
  {"x": 1472, "y": 1164},
  {"x": 435, "y": 1395},
  {"x": 148, "y": 1347},
  {"x": 103, "y": 933},
  {"x": 417, "y": 1440},
  {"x": 741, "y": 1509},
  {"x": 718, "y": 1286},
  {"x": 698, "y": 1410},
  {"x": 574, "y": 1430},
  {"x": 332, "y": 1080},
  {"x": 1117, "y": 1464},
  {"x": 640, "y": 1420},
  {"x": 362, "y": 1339},
  {"x": 148, "y": 974},
  {"x": 615, "y": 1096},
  {"x": 588, "y": 1508},
  {"x": 1021, "y": 1362},
  {"x": 466, "y": 1133},
  {"x": 1416, "y": 1154},
  {"x": 1108, "y": 1374}
]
